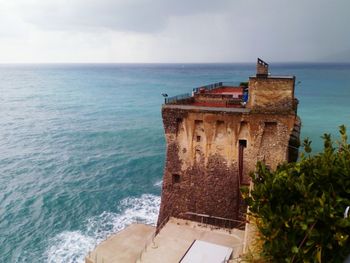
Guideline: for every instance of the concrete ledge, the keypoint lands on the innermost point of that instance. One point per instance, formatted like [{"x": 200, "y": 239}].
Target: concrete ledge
[
  {"x": 124, "y": 246},
  {"x": 175, "y": 238},
  {"x": 201, "y": 108},
  {"x": 135, "y": 244}
]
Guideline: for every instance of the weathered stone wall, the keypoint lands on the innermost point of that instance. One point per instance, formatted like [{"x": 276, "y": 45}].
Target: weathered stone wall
[
  {"x": 202, "y": 162},
  {"x": 271, "y": 94}
]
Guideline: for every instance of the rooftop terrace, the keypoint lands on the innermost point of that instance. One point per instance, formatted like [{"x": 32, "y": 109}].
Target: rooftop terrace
[
  {"x": 262, "y": 93},
  {"x": 221, "y": 94}
]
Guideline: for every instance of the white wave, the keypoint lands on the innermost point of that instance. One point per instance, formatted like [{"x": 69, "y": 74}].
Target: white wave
[
  {"x": 158, "y": 183},
  {"x": 69, "y": 246},
  {"x": 73, "y": 246},
  {"x": 144, "y": 209}
]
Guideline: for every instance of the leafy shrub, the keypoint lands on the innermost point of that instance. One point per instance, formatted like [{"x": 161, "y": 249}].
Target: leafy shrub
[
  {"x": 244, "y": 84},
  {"x": 299, "y": 208}
]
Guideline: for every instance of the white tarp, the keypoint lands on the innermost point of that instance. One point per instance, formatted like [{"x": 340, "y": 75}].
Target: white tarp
[{"x": 205, "y": 252}]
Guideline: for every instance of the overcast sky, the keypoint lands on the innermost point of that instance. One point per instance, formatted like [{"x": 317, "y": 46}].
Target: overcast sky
[{"x": 174, "y": 30}]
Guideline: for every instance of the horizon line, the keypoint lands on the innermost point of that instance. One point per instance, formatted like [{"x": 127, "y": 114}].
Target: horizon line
[{"x": 175, "y": 63}]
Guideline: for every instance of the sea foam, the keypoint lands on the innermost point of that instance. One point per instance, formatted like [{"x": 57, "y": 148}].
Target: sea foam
[{"x": 73, "y": 246}]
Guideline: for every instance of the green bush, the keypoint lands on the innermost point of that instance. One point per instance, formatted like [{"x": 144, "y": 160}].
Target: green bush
[
  {"x": 299, "y": 208},
  {"x": 244, "y": 84}
]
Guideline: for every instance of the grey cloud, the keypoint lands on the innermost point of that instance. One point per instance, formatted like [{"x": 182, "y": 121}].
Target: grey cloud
[
  {"x": 203, "y": 30},
  {"x": 146, "y": 16}
]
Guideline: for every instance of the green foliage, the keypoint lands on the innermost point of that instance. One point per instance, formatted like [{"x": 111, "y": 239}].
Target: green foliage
[
  {"x": 244, "y": 84},
  {"x": 299, "y": 208}
]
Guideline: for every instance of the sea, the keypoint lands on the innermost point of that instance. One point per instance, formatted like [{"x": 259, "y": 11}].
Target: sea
[{"x": 82, "y": 147}]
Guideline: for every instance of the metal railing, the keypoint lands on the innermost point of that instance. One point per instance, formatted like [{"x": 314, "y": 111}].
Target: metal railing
[
  {"x": 217, "y": 221},
  {"x": 175, "y": 99},
  {"x": 178, "y": 98},
  {"x": 217, "y": 85},
  {"x": 160, "y": 226},
  {"x": 151, "y": 239},
  {"x": 208, "y": 87},
  {"x": 232, "y": 83}
]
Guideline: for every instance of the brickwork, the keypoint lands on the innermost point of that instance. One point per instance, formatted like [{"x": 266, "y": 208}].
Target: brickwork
[{"x": 271, "y": 94}]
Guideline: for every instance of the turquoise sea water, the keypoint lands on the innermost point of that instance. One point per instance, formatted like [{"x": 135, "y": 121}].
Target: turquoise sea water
[{"x": 82, "y": 147}]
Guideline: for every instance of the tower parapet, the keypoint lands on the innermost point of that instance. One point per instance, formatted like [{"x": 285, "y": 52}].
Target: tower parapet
[{"x": 262, "y": 69}]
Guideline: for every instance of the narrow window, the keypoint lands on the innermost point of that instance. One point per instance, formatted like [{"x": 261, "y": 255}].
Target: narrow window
[
  {"x": 198, "y": 138},
  {"x": 270, "y": 124},
  {"x": 176, "y": 178}
]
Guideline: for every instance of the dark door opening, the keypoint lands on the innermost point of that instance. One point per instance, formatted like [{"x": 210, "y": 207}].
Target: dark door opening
[{"x": 242, "y": 145}]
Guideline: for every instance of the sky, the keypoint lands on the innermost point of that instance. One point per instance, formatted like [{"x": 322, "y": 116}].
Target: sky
[{"x": 174, "y": 31}]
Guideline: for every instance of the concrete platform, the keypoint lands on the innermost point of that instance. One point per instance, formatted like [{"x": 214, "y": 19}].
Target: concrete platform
[
  {"x": 137, "y": 243},
  {"x": 125, "y": 246},
  {"x": 175, "y": 238}
]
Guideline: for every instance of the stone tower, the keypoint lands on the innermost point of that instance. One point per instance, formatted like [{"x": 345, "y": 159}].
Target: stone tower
[{"x": 215, "y": 138}]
